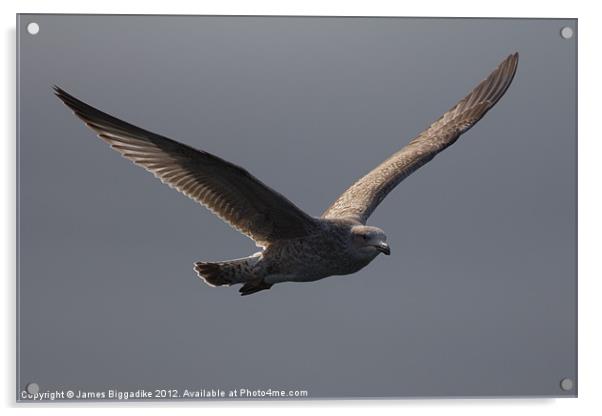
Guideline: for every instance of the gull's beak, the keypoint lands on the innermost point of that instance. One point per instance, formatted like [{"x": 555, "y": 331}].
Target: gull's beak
[{"x": 383, "y": 248}]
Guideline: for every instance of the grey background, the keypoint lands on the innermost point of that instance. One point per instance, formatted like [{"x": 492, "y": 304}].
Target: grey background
[{"x": 478, "y": 297}]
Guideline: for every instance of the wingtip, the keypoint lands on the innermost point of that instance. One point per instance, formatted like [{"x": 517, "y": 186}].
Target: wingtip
[
  {"x": 61, "y": 93},
  {"x": 510, "y": 60},
  {"x": 507, "y": 68},
  {"x": 57, "y": 90},
  {"x": 69, "y": 100},
  {"x": 513, "y": 59}
]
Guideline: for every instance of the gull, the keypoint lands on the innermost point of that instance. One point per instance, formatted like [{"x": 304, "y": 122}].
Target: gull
[{"x": 295, "y": 247}]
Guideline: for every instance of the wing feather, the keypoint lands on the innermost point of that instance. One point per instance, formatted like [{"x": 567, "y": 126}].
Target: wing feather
[
  {"x": 362, "y": 198},
  {"x": 228, "y": 190}
]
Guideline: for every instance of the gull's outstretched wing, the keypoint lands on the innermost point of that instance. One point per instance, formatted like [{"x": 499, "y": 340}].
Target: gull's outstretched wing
[
  {"x": 229, "y": 191},
  {"x": 360, "y": 200}
]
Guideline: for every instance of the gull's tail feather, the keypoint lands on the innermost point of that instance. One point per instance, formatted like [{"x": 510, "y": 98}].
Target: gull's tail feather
[{"x": 226, "y": 273}]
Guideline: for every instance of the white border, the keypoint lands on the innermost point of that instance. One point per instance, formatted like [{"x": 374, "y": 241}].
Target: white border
[{"x": 590, "y": 209}]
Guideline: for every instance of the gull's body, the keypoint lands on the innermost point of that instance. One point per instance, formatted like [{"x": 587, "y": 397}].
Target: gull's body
[
  {"x": 295, "y": 246},
  {"x": 326, "y": 252}
]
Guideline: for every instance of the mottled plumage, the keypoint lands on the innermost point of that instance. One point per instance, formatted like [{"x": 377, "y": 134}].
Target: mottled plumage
[
  {"x": 296, "y": 246},
  {"x": 360, "y": 200}
]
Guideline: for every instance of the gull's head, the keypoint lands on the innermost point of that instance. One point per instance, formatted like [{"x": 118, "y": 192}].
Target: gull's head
[{"x": 369, "y": 241}]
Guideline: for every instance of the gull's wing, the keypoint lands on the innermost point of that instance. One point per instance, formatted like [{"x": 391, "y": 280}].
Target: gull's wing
[
  {"x": 229, "y": 191},
  {"x": 360, "y": 200}
]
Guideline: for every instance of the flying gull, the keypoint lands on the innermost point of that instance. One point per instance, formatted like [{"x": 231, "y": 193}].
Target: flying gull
[{"x": 295, "y": 246}]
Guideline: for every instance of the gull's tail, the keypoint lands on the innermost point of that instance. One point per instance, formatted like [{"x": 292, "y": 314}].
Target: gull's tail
[{"x": 231, "y": 272}]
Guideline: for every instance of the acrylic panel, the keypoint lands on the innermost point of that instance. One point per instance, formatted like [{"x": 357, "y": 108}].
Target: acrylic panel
[{"x": 476, "y": 299}]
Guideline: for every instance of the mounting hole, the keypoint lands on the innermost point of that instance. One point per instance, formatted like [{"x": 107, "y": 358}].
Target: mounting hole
[
  {"x": 33, "y": 28},
  {"x": 566, "y": 32},
  {"x": 32, "y": 388},
  {"x": 566, "y": 384}
]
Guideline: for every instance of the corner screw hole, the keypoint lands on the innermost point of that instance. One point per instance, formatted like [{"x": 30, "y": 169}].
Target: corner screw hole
[
  {"x": 566, "y": 384},
  {"x": 32, "y": 388},
  {"x": 566, "y": 32},
  {"x": 33, "y": 28}
]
